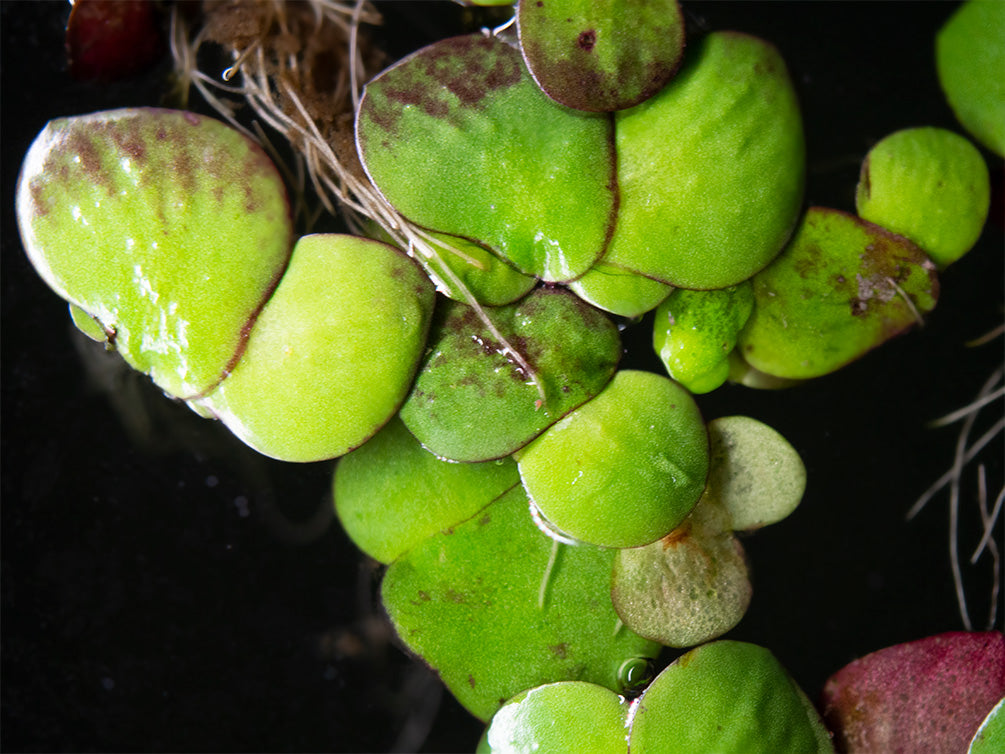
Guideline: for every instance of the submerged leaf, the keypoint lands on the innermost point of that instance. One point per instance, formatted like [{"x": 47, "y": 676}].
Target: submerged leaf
[{"x": 459, "y": 139}]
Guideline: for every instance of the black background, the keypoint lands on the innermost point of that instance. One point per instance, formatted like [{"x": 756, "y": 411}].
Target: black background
[{"x": 164, "y": 588}]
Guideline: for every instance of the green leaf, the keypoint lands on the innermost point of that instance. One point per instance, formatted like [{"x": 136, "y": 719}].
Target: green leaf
[
  {"x": 695, "y": 331},
  {"x": 489, "y": 279},
  {"x": 929, "y": 185},
  {"x": 333, "y": 353},
  {"x": 687, "y": 588},
  {"x": 568, "y": 716},
  {"x": 623, "y": 469},
  {"x": 496, "y": 607},
  {"x": 169, "y": 228},
  {"x": 619, "y": 291},
  {"x": 990, "y": 737},
  {"x": 601, "y": 55},
  {"x": 459, "y": 138},
  {"x": 473, "y": 402},
  {"x": 842, "y": 287},
  {"x": 970, "y": 58},
  {"x": 727, "y": 697},
  {"x": 755, "y": 474},
  {"x": 710, "y": 169},
  {"x": 391, "y": 493}
]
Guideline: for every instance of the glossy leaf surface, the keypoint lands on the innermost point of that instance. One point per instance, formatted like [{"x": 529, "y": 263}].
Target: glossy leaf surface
[
  {"x": 710, "y": 169},
  {"x": 601, "y": 55},
  {"x": 460, "y": 139},
  {"x": 695, "y": 331},
  {"x": 484, "y": 608},
  {"x": 619, "y": 291},
  {"x": 169, "y": 228},
  {"x": 333, "y": 353},
  {"x": 564, "y": 716},
  {"x": 391, "y": 493},
  {"x": 842, "y": 287},
  {"x": 623, "y": 469},
  {"x": 472, "y": 402}
]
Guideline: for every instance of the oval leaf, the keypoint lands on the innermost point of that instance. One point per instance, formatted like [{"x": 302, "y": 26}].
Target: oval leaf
[
  {"x": 333, "y": 354},
  {"x": 565, "y": 716},
  {"x": 754, "y": 474},
  {"x": 472, "y": 402},
  {"x": 460, "y": 139},
  {"x": 926, "y": 695},
  {"x": 601, "y": 55},
  {"x": 171, "y": 229},
  {"x": 690, "y": 587},
  {"x": 711, "y": 168},
  {"x": 623, "y": 469},
  {"x": 842, "y": 287},
  {"x": 391, "y": 493},
  {"x": 729, "y": 697}
]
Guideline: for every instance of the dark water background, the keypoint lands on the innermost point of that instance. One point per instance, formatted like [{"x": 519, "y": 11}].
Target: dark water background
[{"x": 165, "y": 588}]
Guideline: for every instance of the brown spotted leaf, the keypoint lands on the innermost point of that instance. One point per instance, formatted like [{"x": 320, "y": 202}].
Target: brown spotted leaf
[
  {"x": 601, "y": 55},
  {"x": 460, "y": 139}
]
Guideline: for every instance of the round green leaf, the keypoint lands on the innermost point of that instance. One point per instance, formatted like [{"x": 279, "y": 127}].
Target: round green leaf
[
  {"x": 623, "y": 469},
  {"x": 496, "y": 607},
  {"x": 687, "y": 588},
  {"x": 333, "y": 353},
  {"x": 567, "y": 716},
  {"x": 169, "y": 228},
  {"x": 930, "y": 185},
  {"x": 970, "y": 58},
  {"x": 473, "y": 402},
  {"x": 601, "y": 55},
  {"x": 711, "y": 168},
  {"x": 695, "y": 331},
  {"x": 755, "y": 474},
  {"x": 727, "y": 697},
  {"x": 391, "y": 493},
  {"x": 842, "y": 287},
  {"x": 461, "y": 140},
  {"x": 619, "y": 291}
]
